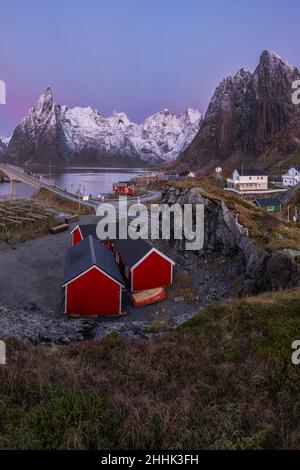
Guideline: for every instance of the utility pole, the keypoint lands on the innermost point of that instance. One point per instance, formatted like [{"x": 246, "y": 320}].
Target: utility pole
[{"x": 79, "y": 198}]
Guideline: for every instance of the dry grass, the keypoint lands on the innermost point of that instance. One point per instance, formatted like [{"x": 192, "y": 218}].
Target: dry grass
[
  {"x": 273, "y": 231},
  {"x": 224, "y": 380},
  {"x": 60, "y": 203},
  {"x": 159, "y": 326},
  {"x": 183, "y": 287},
  {"x": 31, "y": 232}
]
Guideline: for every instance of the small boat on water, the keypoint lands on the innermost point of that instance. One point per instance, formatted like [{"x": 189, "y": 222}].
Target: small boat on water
[{"x": 147, "y": 297}]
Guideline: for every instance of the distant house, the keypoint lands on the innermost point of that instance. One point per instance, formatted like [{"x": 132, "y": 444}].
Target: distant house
[
  {"x": 92, "y": 280},
  {"x": 170, "y": 176},
  {"x": 269, "y": 205},
  {"x": 248, "y": 179},
  {"x": 125, "y": 188},
  {"x": 185, "y": 175},
  {"x": 291, "y": 177},
  {"x": 142, "y": 266}
]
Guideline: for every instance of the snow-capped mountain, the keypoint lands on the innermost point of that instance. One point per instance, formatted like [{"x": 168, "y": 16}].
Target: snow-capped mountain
[
  {"x": 54, "y": 133},
  {"x": 251, "y": 114},
  {"x": 3, "y": 146}
]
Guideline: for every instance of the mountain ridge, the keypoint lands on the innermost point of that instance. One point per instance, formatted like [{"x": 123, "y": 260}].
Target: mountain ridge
[
  {"x": 250, "y": 116},
  {"x": 62, "y": 136}
]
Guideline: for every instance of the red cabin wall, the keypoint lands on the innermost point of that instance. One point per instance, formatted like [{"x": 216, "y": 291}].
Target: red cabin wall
[
  {"x": 154, "y": 271},
  {"x": 93, "y": 294},
  {"x": 130, "y": 191},
  {"x": 76, "y": 237},
  {"x": 119, "y": 189}
]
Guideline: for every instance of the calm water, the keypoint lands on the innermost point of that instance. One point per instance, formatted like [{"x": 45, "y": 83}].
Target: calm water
[{"x": 92, "y": 181}]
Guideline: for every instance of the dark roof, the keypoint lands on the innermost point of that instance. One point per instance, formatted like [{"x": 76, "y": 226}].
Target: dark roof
[
  {"x": 251, "y": 172},
  {"x": 90, "y": 229},
  {"x": 296, "y": 168},
  {"x": 268, "y": 202},
  {"x": 89, "y": 252},
  {"x": 132, "y": 250}
]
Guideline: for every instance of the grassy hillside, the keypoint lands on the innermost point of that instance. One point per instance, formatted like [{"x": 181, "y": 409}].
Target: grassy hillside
[{"x": 224, "y": 380}]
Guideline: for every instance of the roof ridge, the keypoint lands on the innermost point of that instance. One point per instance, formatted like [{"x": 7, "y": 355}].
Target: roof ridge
[{"x": 92, "y": 248}]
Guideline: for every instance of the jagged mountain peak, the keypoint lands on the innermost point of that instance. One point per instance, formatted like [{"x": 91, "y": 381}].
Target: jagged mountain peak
[
  {"x": 46, "y": 96},
  {"x": 120, "y": 118},
  {"x": 251, "y": 114},
  {"x": 66, "y": 135},
  {"x": 44, "y": 104},
  {"x": 272, "y": 59}
]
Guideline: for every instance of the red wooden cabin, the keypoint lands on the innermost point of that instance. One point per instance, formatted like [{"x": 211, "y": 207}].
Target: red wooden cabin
[
  {"x": 142, "y": 266},
  {"x": 92, "y": 280},
  {"x": 126, "y": 188},
  {"x": 82, "y": 231}
]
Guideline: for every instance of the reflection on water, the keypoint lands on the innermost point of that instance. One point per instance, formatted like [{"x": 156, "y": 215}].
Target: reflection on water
[
  {"x": 88, "y": 181},
  {"x": 23, "y": 190}
]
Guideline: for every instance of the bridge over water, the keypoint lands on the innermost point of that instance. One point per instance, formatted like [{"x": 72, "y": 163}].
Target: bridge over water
[{"x": 16, "y": 174}]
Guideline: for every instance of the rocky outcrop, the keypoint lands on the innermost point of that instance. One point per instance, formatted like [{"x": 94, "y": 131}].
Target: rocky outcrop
[
  {"x": 258, "y": 269},
  {"x": 37, "y": 328},
  {"x": 55, "y": 134},
  {"x": 250, "y": 115}
]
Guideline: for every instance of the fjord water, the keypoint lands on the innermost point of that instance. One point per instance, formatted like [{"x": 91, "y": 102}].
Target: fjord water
[{"x": 88, "y": 181}]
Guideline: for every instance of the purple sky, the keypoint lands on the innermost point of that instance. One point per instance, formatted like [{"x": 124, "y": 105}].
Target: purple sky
[{"x": 137, "y": 56}]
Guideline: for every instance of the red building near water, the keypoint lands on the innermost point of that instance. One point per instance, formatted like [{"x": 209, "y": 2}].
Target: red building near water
[
  {"x": 92, "y": 280},
  {"x": 125, "y": 188}
]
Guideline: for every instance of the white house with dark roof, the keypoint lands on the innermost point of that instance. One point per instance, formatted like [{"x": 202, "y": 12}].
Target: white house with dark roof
[
  {"x": 248, "y": 179},
  {"x": 291, "y": 177}
]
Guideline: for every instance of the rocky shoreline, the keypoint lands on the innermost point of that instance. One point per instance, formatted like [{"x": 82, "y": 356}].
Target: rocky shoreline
[{"x": 37, "y": 328}]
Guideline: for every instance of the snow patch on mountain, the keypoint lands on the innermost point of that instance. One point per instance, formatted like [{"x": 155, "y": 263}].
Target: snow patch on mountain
[
  {"x": 82, "y": 133},
  {"x": 160, "y": 137},
  {"x": 5, "y": 140}
]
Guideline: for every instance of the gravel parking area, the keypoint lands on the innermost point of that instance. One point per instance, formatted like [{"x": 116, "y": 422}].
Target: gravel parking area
[{"x": 30, "y": 285}]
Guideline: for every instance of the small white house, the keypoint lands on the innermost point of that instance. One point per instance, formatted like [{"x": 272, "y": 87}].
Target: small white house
[
  {"x": 291, "y": 177},
  {"x": 248, "y": 179}
]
